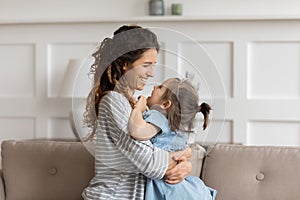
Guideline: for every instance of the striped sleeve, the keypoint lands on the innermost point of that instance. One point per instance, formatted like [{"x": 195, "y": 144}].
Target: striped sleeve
[{"x": 149, "y": 160}]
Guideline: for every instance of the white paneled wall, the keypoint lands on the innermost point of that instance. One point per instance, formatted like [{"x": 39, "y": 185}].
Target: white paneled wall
[
  {"x": 273, "y": 133},
  {"x": 59, "y": 55},
  {"x": 274, "y": 70},
  {"x": 17, "y": 57},
  {"x": 248, "y": 70}
]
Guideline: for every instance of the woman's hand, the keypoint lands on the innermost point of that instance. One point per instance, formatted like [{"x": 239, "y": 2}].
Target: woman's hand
[
  {"x": 180, "y": 168},
  {"x": 179, "y": 172},
  {"x": 187, "y": 153},
  {"x": 174, "y": 156}
]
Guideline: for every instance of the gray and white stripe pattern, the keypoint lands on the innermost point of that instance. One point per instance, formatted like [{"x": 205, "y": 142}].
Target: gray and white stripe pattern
[{"x": 121, "y": 163}]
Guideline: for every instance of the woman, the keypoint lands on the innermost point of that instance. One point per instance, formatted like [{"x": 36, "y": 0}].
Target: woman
[{"x": 122, "y": 65}]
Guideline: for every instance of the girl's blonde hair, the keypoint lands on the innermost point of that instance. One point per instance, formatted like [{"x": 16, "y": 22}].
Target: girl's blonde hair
[{"x": 184, "y": 105}]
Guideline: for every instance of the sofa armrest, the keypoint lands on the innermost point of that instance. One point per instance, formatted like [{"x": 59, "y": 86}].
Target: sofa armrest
[
  {"x": 198, "y": 154},
  {"x": 2, "y": 191}
]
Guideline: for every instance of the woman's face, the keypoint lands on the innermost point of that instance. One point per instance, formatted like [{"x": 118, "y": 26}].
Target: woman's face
[{"x": 137, "y": 76}]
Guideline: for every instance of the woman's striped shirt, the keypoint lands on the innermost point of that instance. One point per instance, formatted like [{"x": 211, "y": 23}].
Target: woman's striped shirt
[{"x": 121, "y": 163}]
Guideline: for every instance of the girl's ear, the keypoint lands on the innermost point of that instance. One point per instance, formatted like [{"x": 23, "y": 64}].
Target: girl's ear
[{"x": 166, "y": 104}]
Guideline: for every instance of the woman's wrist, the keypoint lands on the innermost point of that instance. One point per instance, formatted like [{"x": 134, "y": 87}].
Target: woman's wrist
[{"x": 139, "y": 109}]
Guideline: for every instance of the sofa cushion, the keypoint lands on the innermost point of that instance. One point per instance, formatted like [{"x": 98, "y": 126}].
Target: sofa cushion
[
  {"x": 35, "y": 170},
  {"x": 2, "y": 193},
  {"x": 248, "y": 173},
  {"x": 198, "y": 154}
]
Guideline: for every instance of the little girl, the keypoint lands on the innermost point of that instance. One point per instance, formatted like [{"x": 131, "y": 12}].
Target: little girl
[{"x": 172, "y": 110}]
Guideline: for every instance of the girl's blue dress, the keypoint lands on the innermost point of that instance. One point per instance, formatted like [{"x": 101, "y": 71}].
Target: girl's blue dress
[{"x": 192, "y": 187}]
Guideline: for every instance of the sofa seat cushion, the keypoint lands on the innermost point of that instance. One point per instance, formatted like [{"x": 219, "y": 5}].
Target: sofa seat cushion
[
  {"x": 248, "y": 172},
  {"x": 35, "y": 170}
]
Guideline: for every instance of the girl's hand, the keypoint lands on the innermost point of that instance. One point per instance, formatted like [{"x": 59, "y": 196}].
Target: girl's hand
[
  {"x": 141, "y": 104},
  {"x": 179, "y": 172}
]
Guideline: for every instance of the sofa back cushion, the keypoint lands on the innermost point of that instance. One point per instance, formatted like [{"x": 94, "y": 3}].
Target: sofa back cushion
[
  {"x": 198, "y": 155},
  {"x": 248, "y": 173},
  {"x": 35, "y": 170},
  {"x": 2, "y": 190}
]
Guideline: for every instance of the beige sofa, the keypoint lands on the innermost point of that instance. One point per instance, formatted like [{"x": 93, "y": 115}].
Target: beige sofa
[{"x": 52, "y": 170}]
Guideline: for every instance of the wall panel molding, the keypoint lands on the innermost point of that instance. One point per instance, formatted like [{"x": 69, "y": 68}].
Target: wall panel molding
[
  {"x": 59, "y": 128},
  {"x": 273, "y": 73},
  {"x": 17, "y": 127},
  {"x": 59, "y": 55},
  {"x": 17, "y": 71},
  {"x": 278, "y": 133}
]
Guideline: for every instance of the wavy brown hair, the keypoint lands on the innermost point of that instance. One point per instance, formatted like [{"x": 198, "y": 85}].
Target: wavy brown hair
[{"x": 125, "y": 47}]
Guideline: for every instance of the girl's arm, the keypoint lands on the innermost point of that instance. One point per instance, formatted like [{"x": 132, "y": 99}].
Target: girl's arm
[
  {"x": 142, "y": 130},
  {"x": 139, "y": 129},
  {"x": 141, "y": 156}
]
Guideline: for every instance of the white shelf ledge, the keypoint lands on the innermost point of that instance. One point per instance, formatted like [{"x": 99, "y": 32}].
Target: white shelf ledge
[{"x": 166, "y": 18}]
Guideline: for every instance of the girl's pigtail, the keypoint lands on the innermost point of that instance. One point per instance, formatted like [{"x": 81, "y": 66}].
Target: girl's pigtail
[{"x": 204, "y": 108}]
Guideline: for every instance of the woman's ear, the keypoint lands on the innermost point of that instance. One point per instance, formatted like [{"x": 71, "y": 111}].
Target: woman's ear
[{"x": 166, "y": 104}]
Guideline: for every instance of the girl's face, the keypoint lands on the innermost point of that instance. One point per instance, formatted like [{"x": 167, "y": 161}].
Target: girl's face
[
  {"x": 156, "y": 96},
  {"x": 137, "y": 75},
  {"x": 158, "y": 91}
]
